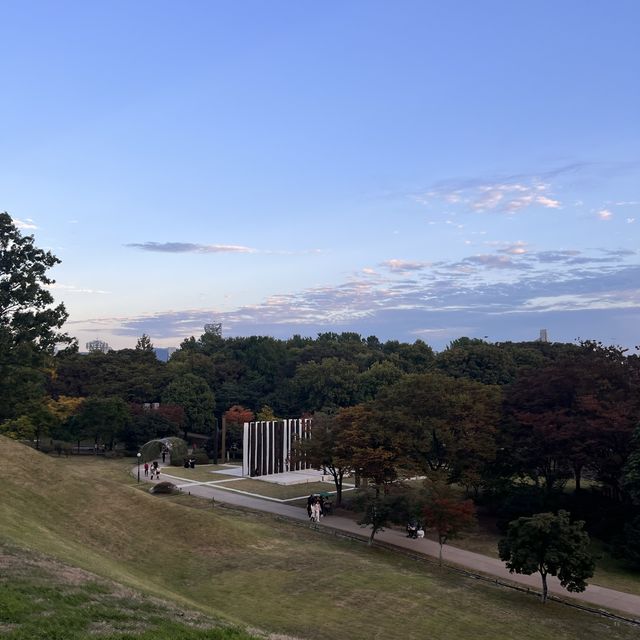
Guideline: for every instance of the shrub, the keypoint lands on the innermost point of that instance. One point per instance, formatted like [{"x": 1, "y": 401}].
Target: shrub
[
  {"x": 45, "y": 447},
  {"x": 62, "y": 448},
  {"x": 164, "y": 487},
  {"x": 200, "y": 456},
  {"x": 626, "y": 545}
]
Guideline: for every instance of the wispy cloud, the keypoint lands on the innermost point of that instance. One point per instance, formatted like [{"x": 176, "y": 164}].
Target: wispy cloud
[
  {"x": 492, "y": 261},
  {"x": 515, "y": 248},
  {"x": 505, "y": 194},
  {"x": 25, "y": 224},
  {"x": 402, "y": 266},
  {"x": 605, "y": 214},
  {"x": 189, "y": 247},
  {"x": 72, "y": 288},
  {"x": 550, "y": 203},
  {"x": 474, "y": 296}
]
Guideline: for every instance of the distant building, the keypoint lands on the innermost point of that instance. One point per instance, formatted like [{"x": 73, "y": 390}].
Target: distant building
[
  {"x": 98, "y": 346},
  {"x": 543, "y": 336},
  {"x": 164, "y": 353}
]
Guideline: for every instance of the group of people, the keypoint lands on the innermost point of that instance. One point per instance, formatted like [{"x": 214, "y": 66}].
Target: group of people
[
  {"x": 153, "y": 469},
  {"x": 415, "y": 530},
  {"x": 317, "y": 507},
  {"x": 189, "y": 463}
]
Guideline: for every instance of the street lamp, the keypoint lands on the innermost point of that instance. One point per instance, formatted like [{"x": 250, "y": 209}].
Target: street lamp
[{"x": 139, "y": 455}]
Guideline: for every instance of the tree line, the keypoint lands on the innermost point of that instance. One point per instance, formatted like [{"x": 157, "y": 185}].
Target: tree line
[{"x": 511, "y": 423}]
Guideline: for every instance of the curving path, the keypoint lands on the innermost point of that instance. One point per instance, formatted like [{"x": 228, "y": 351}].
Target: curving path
[{"x": 594, "y": 595}]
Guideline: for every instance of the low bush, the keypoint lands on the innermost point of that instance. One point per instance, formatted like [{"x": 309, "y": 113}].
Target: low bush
[
  {"x": 200, "y": 456},
  {"x": 164, "y": 487}
]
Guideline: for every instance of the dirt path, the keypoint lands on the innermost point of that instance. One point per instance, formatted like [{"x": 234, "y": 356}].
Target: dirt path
[{"x": 594, "y": 595}]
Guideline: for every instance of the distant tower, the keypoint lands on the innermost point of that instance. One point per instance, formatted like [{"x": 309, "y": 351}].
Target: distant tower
[
  {"x": 543, "y": 336},
  {"x": 214, "y": 328},
  {"x": 98, "y": 346}
]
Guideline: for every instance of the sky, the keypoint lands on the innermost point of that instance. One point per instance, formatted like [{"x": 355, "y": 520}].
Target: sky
[{"x": 411, "y": 170}]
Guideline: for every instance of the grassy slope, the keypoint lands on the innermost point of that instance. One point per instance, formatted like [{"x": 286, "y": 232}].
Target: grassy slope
[
  {"x": 253, "y": 569},
  {"x": 42, "y": 599}
]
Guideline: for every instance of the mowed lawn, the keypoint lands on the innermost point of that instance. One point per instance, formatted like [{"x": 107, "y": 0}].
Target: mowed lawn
[
  {"x": 202, "y": 473},
  {"x": 279, "y": 491},
  {"x": 253, "y": 569},
  {"x": 207, "y": 473},
  {"x": 43, "y": 599}
]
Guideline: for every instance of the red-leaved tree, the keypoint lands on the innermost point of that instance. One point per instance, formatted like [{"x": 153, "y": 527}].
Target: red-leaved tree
[
  {"x": 235, "y": 417},
  {"x": 448, "y": 516}
]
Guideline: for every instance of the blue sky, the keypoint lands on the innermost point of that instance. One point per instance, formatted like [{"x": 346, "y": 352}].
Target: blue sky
[{"x": 404, "y": 169}]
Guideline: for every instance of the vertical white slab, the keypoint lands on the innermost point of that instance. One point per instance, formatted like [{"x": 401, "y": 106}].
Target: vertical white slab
[
  {"x": 268, "y": 446},
  {"x": 286, "y": 439},
  {"x": 254, "y": 447},
  {"x": 245, "y": 449}
]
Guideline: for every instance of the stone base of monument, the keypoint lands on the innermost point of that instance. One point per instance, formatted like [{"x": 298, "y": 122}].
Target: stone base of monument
[{"x": 296, "y": 477}]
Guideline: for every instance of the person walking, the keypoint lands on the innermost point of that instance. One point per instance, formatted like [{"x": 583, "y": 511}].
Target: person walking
[{"x": 146, "y": 469}]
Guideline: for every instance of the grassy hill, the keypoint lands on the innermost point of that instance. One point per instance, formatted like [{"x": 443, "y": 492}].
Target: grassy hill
[
  {"x": 251, "y": 570},
  {"x": 44, "y": 599}
]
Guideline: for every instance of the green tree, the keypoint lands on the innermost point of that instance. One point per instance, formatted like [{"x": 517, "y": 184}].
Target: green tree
[
  {"x": 327, "y": 385},
  {"x": 626, "y": 546},
  {"x": 147, "y": 424},
  {"x": 21, "y": 428},
  {"x": 29, "y": 323},
  {"x": 266, "y": 414},
  {"x": 477, "y": 360},
  {"x": 144, "y": 344},
  {"x": 370, "y": 446},
  {"x": 103, "y": 420},
  {"x": 631, "y": 472},
  {"x": 376, "y": 515},
  {"x": 327, "y": 449},
  {"x": 25, "y": 302},
  {"x": 447, "y": 515},
  {"x": 442, "y": 424},
  {"x": 132, "y": 374},
  {"x": 411, "y": 358},
  {"x": 377, "y": 376},
  {"x": 549, "y": 544},
  {"x": 193, "y": 394}
]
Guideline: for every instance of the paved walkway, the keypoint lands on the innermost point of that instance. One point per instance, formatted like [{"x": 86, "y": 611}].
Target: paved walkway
[{"x": 594, "y": 595}]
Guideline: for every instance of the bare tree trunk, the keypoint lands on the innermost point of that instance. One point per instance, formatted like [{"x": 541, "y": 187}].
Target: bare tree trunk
[
  {"x": 577, "y": 472},
  {"x": 544, "y": 587},
  {"x": 337, "y": 479},
  {"x": 223, "y": 440}
]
